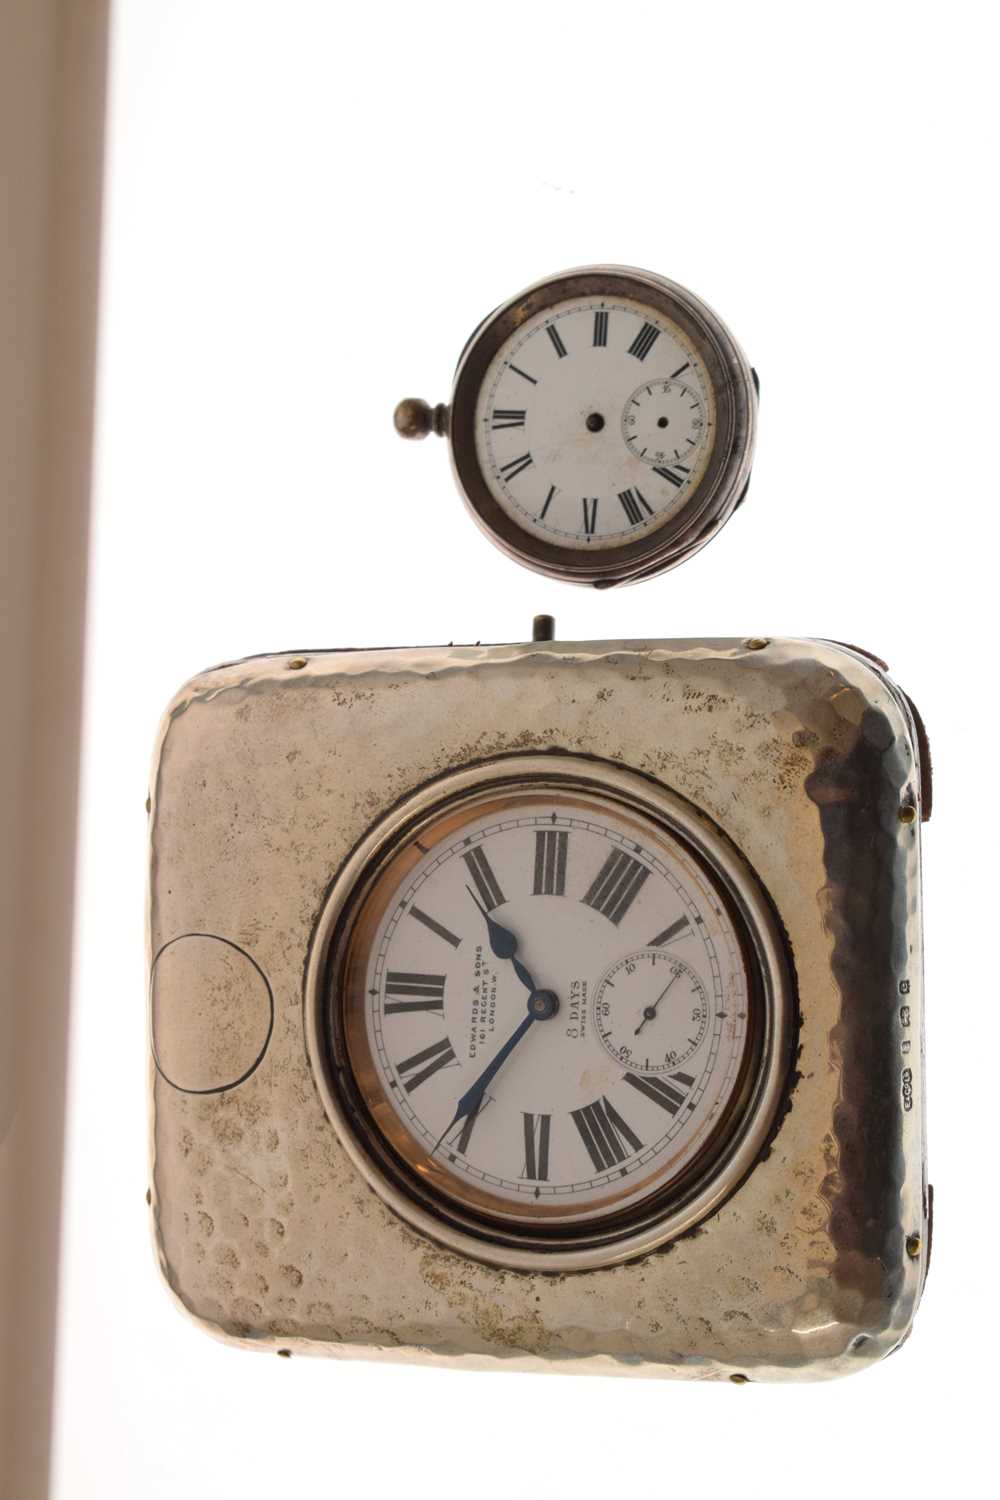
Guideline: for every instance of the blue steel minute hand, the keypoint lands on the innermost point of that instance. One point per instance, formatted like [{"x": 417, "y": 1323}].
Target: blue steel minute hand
[
  {"x": 472, "y": 1099},
  {"x": 541, "y": 1005}
]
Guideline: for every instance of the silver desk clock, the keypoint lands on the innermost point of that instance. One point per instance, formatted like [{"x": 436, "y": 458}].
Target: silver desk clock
[{"x": 554, "y": 1005}]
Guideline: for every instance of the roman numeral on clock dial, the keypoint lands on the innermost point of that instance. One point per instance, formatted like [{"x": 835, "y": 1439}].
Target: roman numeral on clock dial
[
  {"x": 557, "y": 342},
  {"x": 469, "y": 1125},
  {"x": 551, "y": 848},
  {"x": 680, "y": 928},
  {"x": 644, "y": 341},
  {"x": 426, "y": 992},
  {"x": 590, "y": 516},
  {"x": 537, "y": 1129},
  {"x": 633, "y": 504},
  {"x": 609, "y": 1140},
  {"x": 503, "y": 419},
  {"x": 674, "y": 478},
  {"x": 417, "y": 1069},
  {"x": 618, "y": 882},
  {"x": 432, "y": 925},
  {"x": 516, "y": 466},
  {"x": 484, "y": 879},
  {"x": 600, "y": 330},
  {"x": 664, "y": 1092}
]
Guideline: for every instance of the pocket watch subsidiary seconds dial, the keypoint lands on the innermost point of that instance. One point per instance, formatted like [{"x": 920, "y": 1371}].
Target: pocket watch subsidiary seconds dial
[
  {"x": 549, "y": 1013},
  {"x": 677, "y": 1028},
  {"x": 602, "y": 425}
]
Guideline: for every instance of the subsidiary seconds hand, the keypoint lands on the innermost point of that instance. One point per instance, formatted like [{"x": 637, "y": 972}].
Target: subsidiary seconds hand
[{"x": 649, "y": 1014}]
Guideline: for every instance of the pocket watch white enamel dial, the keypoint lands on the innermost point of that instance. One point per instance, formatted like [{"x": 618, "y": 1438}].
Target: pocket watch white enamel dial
[
  {"x": 548, "y": 1015},
  {"x": 601, "y": 424}
]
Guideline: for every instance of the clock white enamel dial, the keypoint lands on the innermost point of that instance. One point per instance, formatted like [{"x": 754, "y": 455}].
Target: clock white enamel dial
[
  {"x": 602, "y": 425},
  {"x": 549, "y": 1013}
]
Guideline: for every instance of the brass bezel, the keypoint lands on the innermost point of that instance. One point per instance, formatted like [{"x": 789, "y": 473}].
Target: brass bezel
[
  {"x": 726, "y": 473},
  {"x": 375, "y": 1140}
]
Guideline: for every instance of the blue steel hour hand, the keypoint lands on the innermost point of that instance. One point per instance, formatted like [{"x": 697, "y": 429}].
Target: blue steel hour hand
[{"x": 504, "y": 943}]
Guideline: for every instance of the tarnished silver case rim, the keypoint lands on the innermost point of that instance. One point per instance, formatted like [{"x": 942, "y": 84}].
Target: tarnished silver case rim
[
  {"x": 718, "y": 493},
  {"x": 750, "y": 1134}
]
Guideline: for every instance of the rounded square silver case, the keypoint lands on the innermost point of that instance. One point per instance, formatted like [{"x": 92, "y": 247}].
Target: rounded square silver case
[{"x": 267, "y": 773}]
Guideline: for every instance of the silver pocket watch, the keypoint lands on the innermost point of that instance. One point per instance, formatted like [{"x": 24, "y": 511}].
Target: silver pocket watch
[{"x": 601, "y": 425}]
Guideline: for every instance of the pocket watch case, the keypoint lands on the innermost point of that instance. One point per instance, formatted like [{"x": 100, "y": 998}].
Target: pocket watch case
[
  {"x": 601, "y": 425},
  {"x": 283, "y": 1214}
]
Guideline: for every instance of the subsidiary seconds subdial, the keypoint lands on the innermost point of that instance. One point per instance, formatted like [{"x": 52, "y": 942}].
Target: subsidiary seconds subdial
[
  {"x": 664, "y": 425},
  {"x": 651, "y": 1011}
]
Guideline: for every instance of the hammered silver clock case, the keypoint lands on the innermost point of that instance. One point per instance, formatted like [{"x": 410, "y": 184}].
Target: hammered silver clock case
[{"x": 293, "y": 1205}]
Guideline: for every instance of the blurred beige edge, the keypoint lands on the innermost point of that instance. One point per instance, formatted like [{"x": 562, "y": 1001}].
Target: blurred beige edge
[{"x": 53, "y": 61}]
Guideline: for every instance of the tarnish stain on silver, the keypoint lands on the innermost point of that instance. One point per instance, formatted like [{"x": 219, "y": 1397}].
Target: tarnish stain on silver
[{"x": 264, "y": 780}]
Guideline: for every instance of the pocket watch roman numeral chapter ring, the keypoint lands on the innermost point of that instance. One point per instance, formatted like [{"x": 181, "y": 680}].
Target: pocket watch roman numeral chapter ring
[{"x": 601, "y": 425}]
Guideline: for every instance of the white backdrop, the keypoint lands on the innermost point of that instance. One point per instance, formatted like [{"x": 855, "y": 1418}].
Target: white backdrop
[{"x": 310, "y": 206}]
